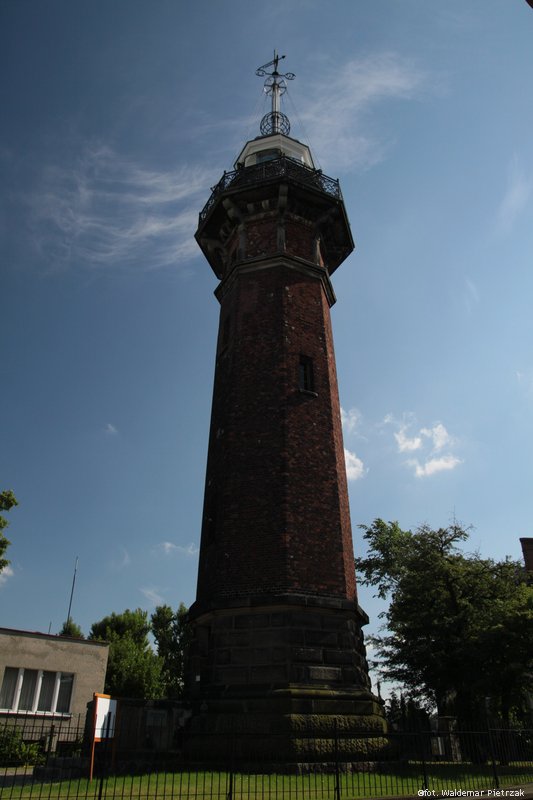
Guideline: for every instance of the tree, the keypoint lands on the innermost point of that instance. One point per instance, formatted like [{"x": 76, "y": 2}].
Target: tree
[
  {"x": 172, "y": 634},
  {"x": 133, "y": 669},
  {"x": 459, "y": 628},
  {"x": 406, "y": 714},
  {"x": 7, "y": 501},
  {"x": 71, "y": 629}
]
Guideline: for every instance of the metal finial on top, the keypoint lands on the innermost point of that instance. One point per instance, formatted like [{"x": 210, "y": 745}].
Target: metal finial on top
[{"x": 275, "y": 121}]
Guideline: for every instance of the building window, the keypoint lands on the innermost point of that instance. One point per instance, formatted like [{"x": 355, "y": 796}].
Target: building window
[
  {"x": 66, "y": 681},
  {"x": 267, "y": 155},
  {"x": 36, "y": 690},
  {"x": 306, "y": 382}
]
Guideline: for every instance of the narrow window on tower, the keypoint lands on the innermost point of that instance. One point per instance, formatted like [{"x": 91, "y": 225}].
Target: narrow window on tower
[{"x": 306, "y": 382}]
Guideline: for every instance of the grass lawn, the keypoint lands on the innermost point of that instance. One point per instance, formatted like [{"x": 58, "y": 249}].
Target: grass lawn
[{"x": 313, "y": 786}]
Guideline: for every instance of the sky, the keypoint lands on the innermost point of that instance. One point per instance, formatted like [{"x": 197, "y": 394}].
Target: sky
[{"x": 117, "y": 118}]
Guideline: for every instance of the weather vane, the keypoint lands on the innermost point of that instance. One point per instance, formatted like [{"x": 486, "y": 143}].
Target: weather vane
[{"x": 275, "y": 86}]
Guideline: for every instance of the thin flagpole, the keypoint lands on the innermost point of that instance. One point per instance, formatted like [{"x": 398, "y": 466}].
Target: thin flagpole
[{"x": 72, "y": 590}]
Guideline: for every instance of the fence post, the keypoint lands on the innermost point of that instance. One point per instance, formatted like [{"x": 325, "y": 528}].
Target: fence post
[
  {"x": 493, "y": 761},
  {"x": 337, "y": 776},
  {"x": 51, "y": 734},
  {"x": 229, "y": 795},
  {"x": 423, "y": 757},
  {"x": 104, "y": 765}
]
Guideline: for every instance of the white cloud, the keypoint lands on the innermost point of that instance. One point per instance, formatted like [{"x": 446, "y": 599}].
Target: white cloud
[
  {"x": 107, "y": 210},
  {"x": 438, "y": 435},
  {"x": 354, "y": 466},
  {"x": 153, "y": 596},
  {"x": 516, "y": 197},
  {"x": 111, "y": 430},
  {"x": 169, "y": 548},
  {"x": 406, "y": 443},
  {"x": 350, "y": 420},
  {"x": 430, "y": 442},
  {"x": 340, "y": 100},
  {"x": 5, "y": 574},
  {"x": 434, "y": 465}
]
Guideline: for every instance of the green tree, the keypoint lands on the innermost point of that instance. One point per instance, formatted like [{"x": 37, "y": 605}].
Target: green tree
[
  {"x": 459, "y": 628},
  {"x": 133, "y": 669},
  {"x": 406, "y": 714},
  {"x": 7, "y": 501},
  {"x": 71, "y": 629},
  {"x": 172, "y": 634}
]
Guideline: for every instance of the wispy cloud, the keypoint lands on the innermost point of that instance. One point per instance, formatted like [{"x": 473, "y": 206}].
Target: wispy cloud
[
  {"x": 111, "y": 430},
  {"x": 169, "y": 548},
  {"x": 355, "y": 468},
  {"x": 430, "y": 442},
  {"x": 471, "y": 295},
  {"x": 438, "y": 435},
  {"x": 107, "y": 210},
  {"x": 6, "y": 573},
  {"x": 516, "y": 196},
  {"x": 351, "y": 420},
  {"x": 122, "y": 560},
  {"x": 434, "y": 465},
  {"x": 406, "y": 443},
  {"x": 153, "y": 596},
  {"x": 342, "y": 99},
  {"x": 524, "y": 379}
]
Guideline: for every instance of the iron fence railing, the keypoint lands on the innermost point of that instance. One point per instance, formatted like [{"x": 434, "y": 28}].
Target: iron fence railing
[
  {"x": 283, "y": 167},
  {"x": 50, "y": 758}
]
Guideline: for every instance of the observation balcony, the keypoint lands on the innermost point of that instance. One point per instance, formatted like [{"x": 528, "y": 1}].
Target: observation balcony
[{"x": 268, "y": 172}]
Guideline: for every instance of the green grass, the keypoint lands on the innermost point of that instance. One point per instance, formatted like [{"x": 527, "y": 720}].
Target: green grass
[{"x": 313, "y": 786}]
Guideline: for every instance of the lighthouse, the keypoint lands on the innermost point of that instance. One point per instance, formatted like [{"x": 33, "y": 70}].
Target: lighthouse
[{"x": 276, "y": 626}]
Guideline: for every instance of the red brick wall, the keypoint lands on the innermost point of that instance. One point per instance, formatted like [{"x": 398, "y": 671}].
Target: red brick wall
[{"x": 276, "y": 516}]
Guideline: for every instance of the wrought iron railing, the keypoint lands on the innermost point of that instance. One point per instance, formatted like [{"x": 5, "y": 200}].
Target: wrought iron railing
[
  {"x": 47, "y": 759},
  {"x": 267, "y": 171}
]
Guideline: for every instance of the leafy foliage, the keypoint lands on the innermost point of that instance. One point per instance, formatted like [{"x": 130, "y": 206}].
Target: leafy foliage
[
  {"x": 7, "y": 501},
  {"x": 133, "y": 624},
  {"x": 133, "y": 669},
  {"x": 71, "y": 629},
  {"x": 171, "y": 632},
  {"x": 14, "y": 751},
  {"x": 459, "y": 628},
  {"x": 406, "y": 714}
]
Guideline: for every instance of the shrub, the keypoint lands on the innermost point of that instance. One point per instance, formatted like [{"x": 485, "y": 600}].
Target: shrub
[{"x": 15, "y": 751}]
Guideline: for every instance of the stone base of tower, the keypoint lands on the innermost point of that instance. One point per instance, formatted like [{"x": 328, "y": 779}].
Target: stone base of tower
[
  {"x": 286, "y": 742},
  {"x": 285, "y": 680}
]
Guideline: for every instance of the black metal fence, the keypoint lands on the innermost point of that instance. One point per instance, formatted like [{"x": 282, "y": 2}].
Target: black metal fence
[{"x": 51, "y": 758}]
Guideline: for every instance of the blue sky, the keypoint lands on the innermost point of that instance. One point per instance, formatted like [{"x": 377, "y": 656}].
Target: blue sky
[{"x": 118, "y": 117}]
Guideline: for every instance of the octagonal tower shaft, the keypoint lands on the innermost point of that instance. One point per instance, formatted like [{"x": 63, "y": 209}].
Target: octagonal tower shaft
[{"x": 276, "y": 517}]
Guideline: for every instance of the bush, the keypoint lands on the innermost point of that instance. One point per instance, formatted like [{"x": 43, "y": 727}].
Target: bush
[{"x": 14, "y": 751}]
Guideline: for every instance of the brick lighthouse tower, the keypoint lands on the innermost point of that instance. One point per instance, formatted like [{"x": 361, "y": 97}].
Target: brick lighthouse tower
[{"x": 277, "y": 643}]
